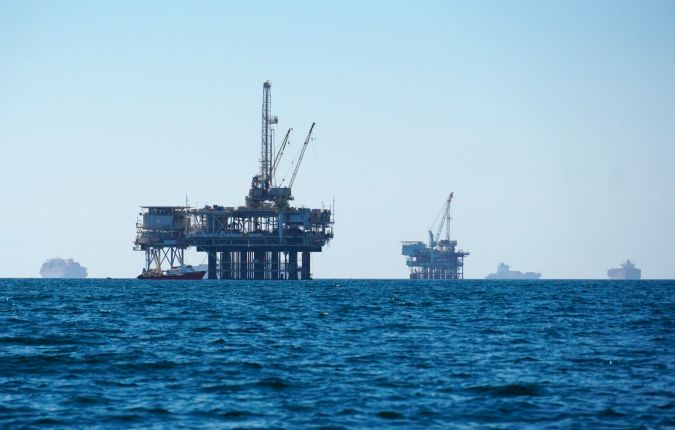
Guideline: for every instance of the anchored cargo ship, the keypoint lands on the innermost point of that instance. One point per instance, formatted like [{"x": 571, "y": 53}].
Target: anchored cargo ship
[
  {"x": 185, "y": 273},
  {"x": 62, "y": 268},
  {"x": 504, "y": 272},
  {"x": 626, "y": 271}
]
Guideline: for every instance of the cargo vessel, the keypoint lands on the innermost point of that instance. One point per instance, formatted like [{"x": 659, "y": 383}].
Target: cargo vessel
[
  {"x": 179, "y": 273},
  {"x": 504, "y": 272},
  {"x": 626, "y": 271},
  {"x": 62, "y": 268}
]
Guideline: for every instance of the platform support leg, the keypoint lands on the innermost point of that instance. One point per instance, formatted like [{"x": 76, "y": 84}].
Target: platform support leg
[
  {"x": 306, "y": 270},
  {"x": 243, "y": 265},
  {"x": 274, "y": 270},
  {"x": 225, "y": 269},
  {"x": 258, "y": 265},
  {"x": 211, "y": 271},
  {"x": 292, "y": 265}
]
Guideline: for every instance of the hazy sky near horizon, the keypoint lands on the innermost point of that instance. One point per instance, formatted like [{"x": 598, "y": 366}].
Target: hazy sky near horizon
[{"x": 552, "y": 121}]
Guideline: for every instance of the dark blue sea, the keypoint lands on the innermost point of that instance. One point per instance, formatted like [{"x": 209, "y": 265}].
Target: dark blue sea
[{"x": 337, "y": 354}]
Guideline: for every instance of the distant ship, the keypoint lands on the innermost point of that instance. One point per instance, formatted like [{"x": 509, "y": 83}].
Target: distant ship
[
  {"x": 184, "y": 273},
  {"x": 627, "y": 271},
  {"x": 62, "y": 268},
  {"x": 504, "y": 272},
  {"x": 202, "y": 268}
]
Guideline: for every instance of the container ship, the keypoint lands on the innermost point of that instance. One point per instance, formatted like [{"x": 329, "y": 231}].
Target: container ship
[
  {"x": 504, "y": 272},
  {"x": 625, "y": 272},
  {"x": 63, "y": 268}
]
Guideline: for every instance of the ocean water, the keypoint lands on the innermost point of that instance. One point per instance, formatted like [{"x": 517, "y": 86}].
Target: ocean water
[{"x": 337, "y": 354}]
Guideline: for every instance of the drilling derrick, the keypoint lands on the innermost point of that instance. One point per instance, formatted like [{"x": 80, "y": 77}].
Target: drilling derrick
[
  {"x": 266, "y": 147},
  {"x": 261, "y": 240},
  {"x": 264, "y": 192},
  {"x": 440, "y": 258},
  {"x": 262, "y": 183}
]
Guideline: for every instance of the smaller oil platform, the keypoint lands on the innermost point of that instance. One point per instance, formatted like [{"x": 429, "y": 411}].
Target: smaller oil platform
[
  {"x": 440, "y": 258},
  {"x": 260, "y": 240}
]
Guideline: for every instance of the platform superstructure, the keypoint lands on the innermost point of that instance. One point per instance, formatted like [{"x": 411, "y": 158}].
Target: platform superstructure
[
  {"x": 267, "y": 238},
  {"x": 440, "y": 258}
]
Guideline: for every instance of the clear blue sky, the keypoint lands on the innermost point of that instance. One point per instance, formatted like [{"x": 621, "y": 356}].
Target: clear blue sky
[{"x": 553, "y": 122}]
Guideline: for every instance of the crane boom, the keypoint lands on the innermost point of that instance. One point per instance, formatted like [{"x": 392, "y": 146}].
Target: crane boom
[
  {"x": 302, "y": 154},
  {"x": 280, "y": 153},
  {"x": 448, "y": 217},
  {"x": 440, "y": 229},
  {"x": 445, "y": 221}
]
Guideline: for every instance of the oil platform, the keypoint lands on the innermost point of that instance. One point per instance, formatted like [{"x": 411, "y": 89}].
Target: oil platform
[
  {"x": 440, "y": 259},
  {"x": 267, "y": 238}
]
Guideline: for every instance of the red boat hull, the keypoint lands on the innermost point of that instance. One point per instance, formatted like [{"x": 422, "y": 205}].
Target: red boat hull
[{"x": 191, "y": 276}]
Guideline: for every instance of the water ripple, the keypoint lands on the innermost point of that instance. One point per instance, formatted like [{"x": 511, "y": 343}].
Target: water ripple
[{"x": 336, "y": 354}]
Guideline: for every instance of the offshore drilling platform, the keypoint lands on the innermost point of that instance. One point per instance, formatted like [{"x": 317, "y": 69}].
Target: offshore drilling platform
[
  {"x": 439, "y": 259},
  {"x": 260, "y": 240}
]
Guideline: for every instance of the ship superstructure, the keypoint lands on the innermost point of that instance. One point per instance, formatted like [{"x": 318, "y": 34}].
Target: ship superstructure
[
  {"x": 626, "y": 271},
  {"x": 440, "y": 258},
  {"x": 260, "y": 240},
  {"x": 62, "y": 268}
]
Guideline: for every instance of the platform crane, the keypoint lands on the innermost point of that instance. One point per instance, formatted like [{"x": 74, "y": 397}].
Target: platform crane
[
  {"x": 444, "y": 222},
  {"x": 302, "y": 154},
  {"x": 280, "y": 153}
]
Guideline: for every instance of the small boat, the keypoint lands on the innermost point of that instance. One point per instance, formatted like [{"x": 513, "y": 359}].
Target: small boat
[{"x": 185, "y": 273}]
